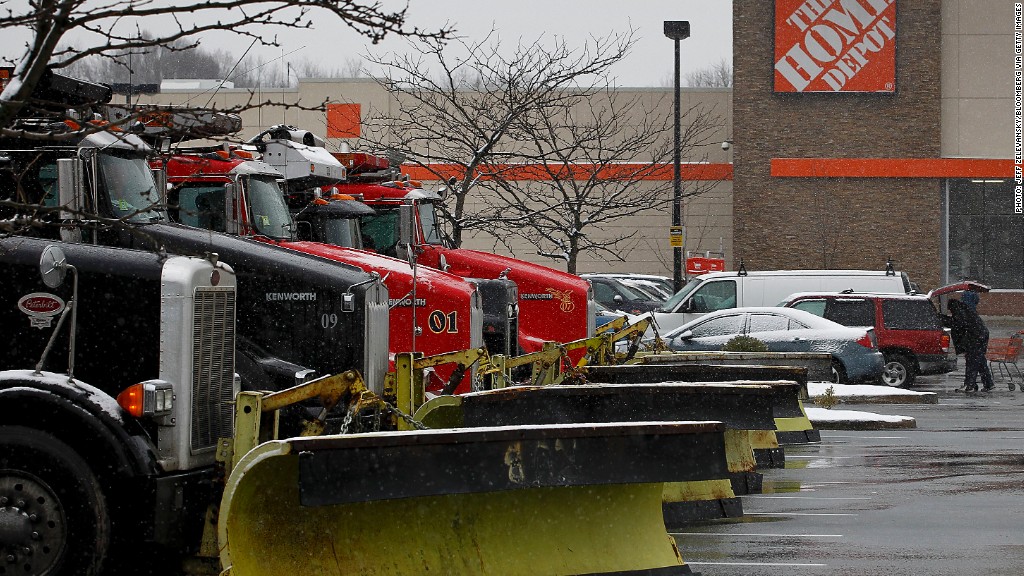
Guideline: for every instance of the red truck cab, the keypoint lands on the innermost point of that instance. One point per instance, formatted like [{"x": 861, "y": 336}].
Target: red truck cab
[{"x": 554, "y": 306}]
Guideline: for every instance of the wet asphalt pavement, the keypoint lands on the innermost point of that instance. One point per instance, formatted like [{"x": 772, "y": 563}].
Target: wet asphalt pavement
[{"x": 946, "y": 498}]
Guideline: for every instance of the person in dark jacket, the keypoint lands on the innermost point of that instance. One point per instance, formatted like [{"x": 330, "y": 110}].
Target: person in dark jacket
[
  {"x": 970, "y": 337},
  {"x": 970, "y": 297}
]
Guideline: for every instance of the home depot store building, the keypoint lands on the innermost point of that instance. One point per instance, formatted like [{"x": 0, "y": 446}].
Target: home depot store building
[{"x": 876, "y": 129}]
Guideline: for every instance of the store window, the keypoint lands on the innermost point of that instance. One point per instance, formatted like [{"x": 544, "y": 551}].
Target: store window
[{"x": 985, "y": 236}]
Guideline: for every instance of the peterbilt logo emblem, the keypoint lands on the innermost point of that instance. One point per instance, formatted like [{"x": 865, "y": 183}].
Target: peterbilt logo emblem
[
  {"x": 564, "y": 298},
  {"x": 40, "y": 308}
]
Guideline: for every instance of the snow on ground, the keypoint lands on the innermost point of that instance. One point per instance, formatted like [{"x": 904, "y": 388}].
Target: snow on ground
[
  {"x": 851, "y": 390},
  {"x": 821, "y": 415},
  {"x": 854, "y": 419}
]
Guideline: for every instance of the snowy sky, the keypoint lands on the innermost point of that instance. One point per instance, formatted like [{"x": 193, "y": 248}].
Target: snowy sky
[{"x": 650, "y": 63}]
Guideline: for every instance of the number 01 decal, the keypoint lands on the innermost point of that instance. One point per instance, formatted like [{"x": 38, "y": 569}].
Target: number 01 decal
[{"x": 440, "y": 322}]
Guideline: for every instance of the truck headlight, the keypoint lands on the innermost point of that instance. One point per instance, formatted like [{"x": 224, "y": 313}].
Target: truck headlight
[{"x": 150, "y": 398}]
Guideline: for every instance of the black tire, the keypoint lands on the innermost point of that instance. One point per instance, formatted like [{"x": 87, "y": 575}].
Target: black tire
[
  {"x": 56, "y": 523},
  {"x": 838, "y": 372},
  {"x": 898, "y": 372}
]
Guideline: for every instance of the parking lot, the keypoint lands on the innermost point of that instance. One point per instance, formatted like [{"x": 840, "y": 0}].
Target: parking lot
[{"x": 946, "y": 498}]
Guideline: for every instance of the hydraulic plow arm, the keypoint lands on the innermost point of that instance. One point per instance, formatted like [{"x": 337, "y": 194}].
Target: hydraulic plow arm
[{"x": 257, "y": 414}]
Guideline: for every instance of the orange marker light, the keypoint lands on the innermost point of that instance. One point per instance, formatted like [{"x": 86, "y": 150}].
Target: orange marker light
[{"x": 132, "y": 400}]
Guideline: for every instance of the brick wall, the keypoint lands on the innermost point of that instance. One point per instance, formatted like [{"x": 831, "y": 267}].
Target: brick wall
[{"x": 837, "y": 222}]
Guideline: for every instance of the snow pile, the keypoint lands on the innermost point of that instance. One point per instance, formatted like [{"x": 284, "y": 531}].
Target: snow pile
[
  {"x": 821, "y": 415},
  {"x": 851, "y": 391}
]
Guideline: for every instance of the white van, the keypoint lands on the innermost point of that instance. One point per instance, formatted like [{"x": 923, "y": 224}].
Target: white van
[{"x": 721, "y": 290}]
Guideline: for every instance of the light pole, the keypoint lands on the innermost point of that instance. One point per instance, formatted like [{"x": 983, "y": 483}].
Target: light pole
[{"x": 677, "y": 30}]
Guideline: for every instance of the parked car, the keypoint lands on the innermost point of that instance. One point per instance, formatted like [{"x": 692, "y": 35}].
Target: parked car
[
  {"x": 605, "y": 315},
  {"x": 615, "y": 295},
  {"x": 854, "y": 355},
  {"x": 908, "y": 329},
  {"x": 658, "y": 287}
]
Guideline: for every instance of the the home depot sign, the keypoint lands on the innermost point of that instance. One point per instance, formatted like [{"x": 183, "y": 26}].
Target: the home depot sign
[{"x": 835, "y": 45}]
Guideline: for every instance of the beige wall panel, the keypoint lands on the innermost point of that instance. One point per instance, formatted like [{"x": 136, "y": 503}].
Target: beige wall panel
[
  {"x": 985, "y": 17},
  {"x": 986, "y": 127},
  {"x": 951, "y": 128},
  {"x": 950, "y": 16},
  {"x": 950, "y": 66},
  {"x": 986, "y": 66}
]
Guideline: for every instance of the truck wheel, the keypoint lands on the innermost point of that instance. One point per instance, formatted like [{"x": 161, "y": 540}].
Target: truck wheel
[
  {"x": 53, "y": 517},
  {"x": 898, "y": 371}
]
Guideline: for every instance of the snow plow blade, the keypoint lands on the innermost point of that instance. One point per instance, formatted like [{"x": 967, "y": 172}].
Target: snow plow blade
[
  {"x": 791, "y": 423},
  {"x": 536, "y": 500},
  {"x": 743, "y": 407}
]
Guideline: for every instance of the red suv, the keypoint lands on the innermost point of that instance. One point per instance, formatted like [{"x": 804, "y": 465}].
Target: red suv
[{"x": 908, "y": 329}]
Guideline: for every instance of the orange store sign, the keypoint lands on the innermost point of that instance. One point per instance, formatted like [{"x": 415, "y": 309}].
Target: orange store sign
[{"x": 835, "y": 45}]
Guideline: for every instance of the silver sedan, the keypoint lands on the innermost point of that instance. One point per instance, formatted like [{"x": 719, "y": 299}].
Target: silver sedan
[{"x": 854, "y": 355}]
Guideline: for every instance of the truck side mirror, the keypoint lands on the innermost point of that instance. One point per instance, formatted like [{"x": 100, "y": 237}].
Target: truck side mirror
[
  {"x": 617, "y": 299},
  {"x": 303, "y": 230},
  {"x": 406, "y": 223},
  {"x": 160, "y": 177},
  {"x": 232, "y": 217},
  {"x": 53, "y": 266},
  {"x": 70, "y": 196}
]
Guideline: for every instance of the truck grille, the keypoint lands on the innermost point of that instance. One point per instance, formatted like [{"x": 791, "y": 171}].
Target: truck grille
[
  {"x": 376, "y": 339},
  {"x": 213, "y": 366},
  {"x": 476, "y": 321}
]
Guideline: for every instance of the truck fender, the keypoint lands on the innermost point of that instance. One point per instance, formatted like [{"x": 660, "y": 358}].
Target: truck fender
[
  {"x": 82, "y": 416},
  {"x": 259, "y": 370}
]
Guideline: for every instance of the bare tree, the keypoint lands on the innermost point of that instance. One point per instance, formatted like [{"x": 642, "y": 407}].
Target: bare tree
[
  {"x": 116, "y": 27},
  {"x": 460, "y": 109},
  {"x": 718, "y": 75},
  {"x": 597, "y": 157}
]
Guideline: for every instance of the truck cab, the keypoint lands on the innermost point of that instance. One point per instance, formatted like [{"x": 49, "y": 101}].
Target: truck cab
[
  {"x": 554, "y": 306},
  {"x": 226, "y": 190}
]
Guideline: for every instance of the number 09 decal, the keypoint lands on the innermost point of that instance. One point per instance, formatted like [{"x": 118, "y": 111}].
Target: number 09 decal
[{"x": 439, "y": 322}]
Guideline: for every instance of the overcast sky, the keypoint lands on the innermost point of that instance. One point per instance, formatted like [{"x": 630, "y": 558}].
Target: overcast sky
[{"x": 650, "y": 63}]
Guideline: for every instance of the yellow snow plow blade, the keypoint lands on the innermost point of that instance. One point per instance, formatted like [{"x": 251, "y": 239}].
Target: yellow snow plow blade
[{"x": 502, "y": 501}]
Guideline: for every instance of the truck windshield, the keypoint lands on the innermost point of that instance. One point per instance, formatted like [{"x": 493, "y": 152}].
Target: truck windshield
[
  {"x": 268, "y": 212},
  {"x": 341, "y": 232},
  {"x": 199, "y": 204},
  {"x": 428, "y": 221},
  {"x": 126, "y": 179},
  {"x": 678, "y": 297},
  {"x": 380, "y": 231}
]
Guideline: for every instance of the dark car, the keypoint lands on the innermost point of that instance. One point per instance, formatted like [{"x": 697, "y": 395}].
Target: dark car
[
  {"x": 854, "y": 356},
  {"x": 908, "y": 329},
  {"x": 615, "y": 295}
]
